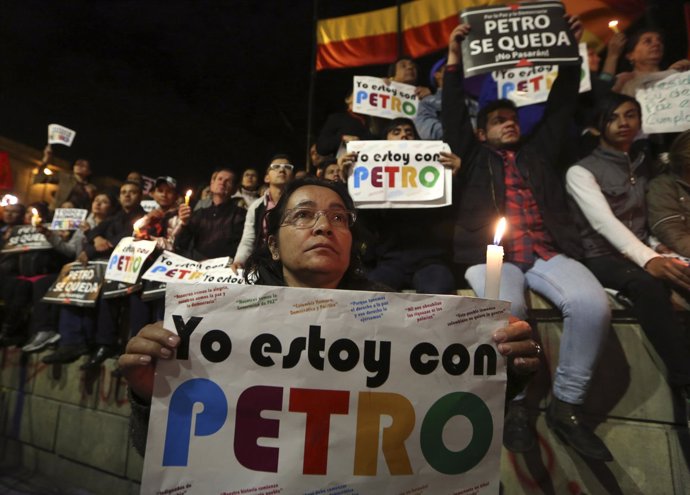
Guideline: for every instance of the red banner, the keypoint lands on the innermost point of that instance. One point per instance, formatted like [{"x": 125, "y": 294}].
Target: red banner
[{"x": 371, "y": 37}]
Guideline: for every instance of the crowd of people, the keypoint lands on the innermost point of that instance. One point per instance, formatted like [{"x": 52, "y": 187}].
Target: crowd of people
[{"x": 581, "y": 186}]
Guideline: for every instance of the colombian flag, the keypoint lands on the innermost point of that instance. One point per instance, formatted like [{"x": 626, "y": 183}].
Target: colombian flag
[{"x": 372, "y": 37}]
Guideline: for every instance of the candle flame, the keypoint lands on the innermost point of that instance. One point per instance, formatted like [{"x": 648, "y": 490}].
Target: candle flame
[
  {"x": 189, "y": 193},
  {"x": 47, "y": 171},
  {"x": 139, "y": 223},
  {"x": 500, "y": 229},
  {"x": 613, "y": 25},
  {"x": 35, "y": 218}
]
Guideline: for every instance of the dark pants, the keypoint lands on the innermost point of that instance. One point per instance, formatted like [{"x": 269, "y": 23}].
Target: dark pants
[
  {"x": 20, "y": 294},
  {"x": 142, "y": 313},
  {"x": 416, "y": 268},
  {"x": 652, "y": 307},
  {"x": 77, "y": 326}
]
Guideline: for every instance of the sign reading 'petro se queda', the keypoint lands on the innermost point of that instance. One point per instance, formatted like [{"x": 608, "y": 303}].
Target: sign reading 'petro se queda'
[
  {"x": 77, "y": 284},
  {"x": 310, "y": 391},
  {"x": 517, "y": 35}
]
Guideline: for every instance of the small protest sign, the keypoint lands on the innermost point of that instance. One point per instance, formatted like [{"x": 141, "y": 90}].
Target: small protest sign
[
  {"x": 149, "y": 205},
  {"x": 171, "y": 267},
  {"x": 77, "y": 284},
  {"x": 113, "y": 289},
  {"x": 128, "y": 259},
  {"x": 372, "y": 96},
  {"x": 58, "y": 134},
  {"x": 297, "y": 391},
  {"x": 399, "y": 174},
  {"x": 68, "y": 218},
  {"x": 529, "y": 85},
  {"x": 516, "y": 35},
  {"x": 665, "y": 104},
  {"x": 25, "y": 238},
  {"x": 149, "y": 183}
]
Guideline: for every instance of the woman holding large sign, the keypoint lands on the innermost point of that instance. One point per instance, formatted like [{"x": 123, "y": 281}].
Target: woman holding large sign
[{"x": 311, "y": 243}]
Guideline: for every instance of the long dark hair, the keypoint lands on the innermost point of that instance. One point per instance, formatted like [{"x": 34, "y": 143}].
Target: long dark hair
[
  {"x": 608, "y": 105},
  {"x": 261, "y": 263}
]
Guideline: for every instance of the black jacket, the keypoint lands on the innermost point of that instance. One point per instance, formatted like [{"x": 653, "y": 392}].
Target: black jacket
[
  {"x": 113, "y": 228},
  {"x": 479, "y": 188},
  {"x": 213, "y": 232}
]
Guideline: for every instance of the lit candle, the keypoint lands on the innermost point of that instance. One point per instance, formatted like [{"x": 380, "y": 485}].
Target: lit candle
[
  {"x": 35, "y": 218},
  {"x": 187, "y": 196},
  {"x": 138, "y": 225},
  {"x": 494, "y": 262},
  {"x": 613, "y": 26}
]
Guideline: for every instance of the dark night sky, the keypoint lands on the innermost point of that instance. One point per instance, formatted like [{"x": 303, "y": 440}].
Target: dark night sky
[{"x": 177, "y": 87}]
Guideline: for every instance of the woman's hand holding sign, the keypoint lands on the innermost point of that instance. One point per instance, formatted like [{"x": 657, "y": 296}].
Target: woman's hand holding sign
[
  {"x": 515, "y": 342},
  {"x": 137, "y": 364}
]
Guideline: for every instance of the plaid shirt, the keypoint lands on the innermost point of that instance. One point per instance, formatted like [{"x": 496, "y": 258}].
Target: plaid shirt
[{"x": 526, "y": 235}]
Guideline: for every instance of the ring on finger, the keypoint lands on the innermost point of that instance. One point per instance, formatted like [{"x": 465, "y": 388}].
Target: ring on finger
[{"x": 537, "y": 349}]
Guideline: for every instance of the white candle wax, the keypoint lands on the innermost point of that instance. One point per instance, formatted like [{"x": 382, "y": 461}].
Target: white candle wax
[{"x": 494, "y": 262}]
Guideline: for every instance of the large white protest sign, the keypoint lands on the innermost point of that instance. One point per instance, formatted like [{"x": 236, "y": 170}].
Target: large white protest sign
[
  {"x": 399, "y": 174},
  {"x": 529, "y": 85},
  {"x": 312, "y": 391},
  {"x": 68, "y": 218},
  {"x": 516, "y": 35},
  {"x": 58, "y": 134},
  {"x": 665, "y": 104},
  {"x": 171, "y": 267},
  {"x": 128, "y": 259},
  {"x": 372, "y": 96}
]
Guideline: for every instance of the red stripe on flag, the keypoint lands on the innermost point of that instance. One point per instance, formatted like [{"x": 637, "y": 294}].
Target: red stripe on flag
[
  {"x": 429, "y": 38},
  {"x": 368, "y": 50}
]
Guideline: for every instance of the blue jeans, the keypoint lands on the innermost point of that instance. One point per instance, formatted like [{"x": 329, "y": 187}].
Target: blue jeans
[{"x": 572, "y": 288}]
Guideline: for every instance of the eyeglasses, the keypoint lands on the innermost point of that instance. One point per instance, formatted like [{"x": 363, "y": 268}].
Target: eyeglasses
[
  {"x": 306, "y": 218},
  {"x": 281, "y": 166}
]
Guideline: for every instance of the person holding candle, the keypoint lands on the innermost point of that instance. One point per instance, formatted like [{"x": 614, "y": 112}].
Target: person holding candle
[
  {"x": 160, "y": 223},
  {"x": 312, "y": 242},
  {"x": 76, "y": 325},
  {"x": 214, "y": 231},
  {"x": 609, "y": 188},
  {"x": 504, "y": 175},
  {"x": 101, "y": 241},
  {"x": 31, "y": 273}
]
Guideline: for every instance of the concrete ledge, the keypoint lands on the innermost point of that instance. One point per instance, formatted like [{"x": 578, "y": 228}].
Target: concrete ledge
[
  {"x": 96, "y": 439},
  {"x": 73, "y": 425},
  {"x": 66, "y": 472},
  {"x": 641, "y": 464}
]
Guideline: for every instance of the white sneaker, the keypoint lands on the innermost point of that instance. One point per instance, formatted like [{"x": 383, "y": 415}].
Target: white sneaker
[{"x": 41, "y": 340}]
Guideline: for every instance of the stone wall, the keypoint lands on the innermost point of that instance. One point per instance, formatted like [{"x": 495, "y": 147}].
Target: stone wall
[
  {"x": 67, "y": 424},
  {"x": 72, "y": 426}
]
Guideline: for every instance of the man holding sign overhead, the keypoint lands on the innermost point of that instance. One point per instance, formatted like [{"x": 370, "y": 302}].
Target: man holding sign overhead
[{"x": 502, "y": 175}]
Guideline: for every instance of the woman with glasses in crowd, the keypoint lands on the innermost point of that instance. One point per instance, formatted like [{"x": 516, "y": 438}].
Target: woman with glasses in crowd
[{"x": 310, "y": 243}]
